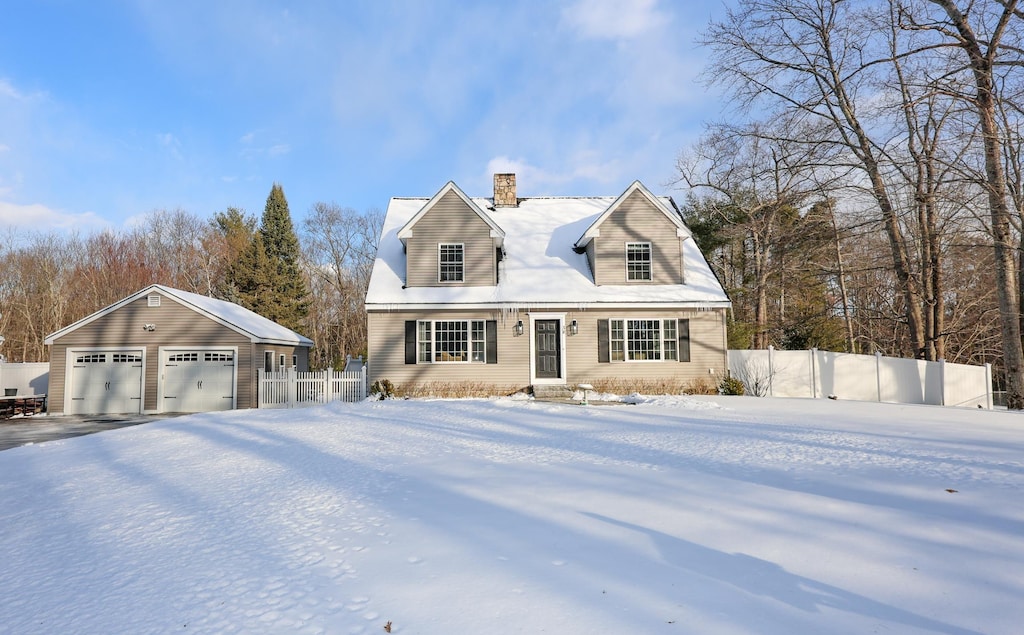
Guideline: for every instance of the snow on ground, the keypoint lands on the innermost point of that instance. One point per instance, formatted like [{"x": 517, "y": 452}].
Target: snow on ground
[{"x": 714, "y": 515}]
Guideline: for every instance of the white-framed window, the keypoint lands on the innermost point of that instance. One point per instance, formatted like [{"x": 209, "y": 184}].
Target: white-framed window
[
  {"x": 451, "y": 341},
  {"x": 642, "y": 340},
  {"x": 93, "y": 358},
  {"x": 424, "y": 342},
  {"x": 477, "y": 342},
  {"x": 268, "y": 361},
  {"x": 280, "y": 360},
  {"x": 450, "y": 262},
  {"x": 638, "y": 261}
]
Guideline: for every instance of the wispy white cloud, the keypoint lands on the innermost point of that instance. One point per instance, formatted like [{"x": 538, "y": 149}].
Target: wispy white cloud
[
  {"x": 577, "y": 97},
  {"x": 582, "y": 166},
  {"x": 254, "y": 146},
  {"x": 571, "y": 170},
  {"x": 40, "y": 217},
  {"x": 168, "y": 140},
  {"x": 278, "y": 149},
  {"x": 251, "y": 152},
  {"x": 170, "y": 144},
  {"x": 4, "y": 147},
  {"x": 10, "y": 91},
  {"x": 613, "y": 19}
]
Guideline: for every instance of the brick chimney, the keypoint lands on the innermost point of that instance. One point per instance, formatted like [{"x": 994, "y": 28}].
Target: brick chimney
[{"x": 505, "y": 190}]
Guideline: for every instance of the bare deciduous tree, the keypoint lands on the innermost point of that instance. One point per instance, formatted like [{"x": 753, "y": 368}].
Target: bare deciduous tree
[{"x": 339, "y": 247}]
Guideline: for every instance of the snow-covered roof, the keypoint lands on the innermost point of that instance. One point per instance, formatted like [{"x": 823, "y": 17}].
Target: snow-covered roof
[
  {"x": 242, "y": 320},
  {"x": 540, "y": 267}
]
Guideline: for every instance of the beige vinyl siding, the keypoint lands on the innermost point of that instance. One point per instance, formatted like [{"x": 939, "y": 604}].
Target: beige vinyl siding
[
  {"x": 387, "y": 348},
  {"x": 176, "y": 325},
  {"x": 450, "y": 221},
  {"x": 386, "y": 335},
  {"x": 636, "y": 220},
  {"x": 707, "y": 348}
]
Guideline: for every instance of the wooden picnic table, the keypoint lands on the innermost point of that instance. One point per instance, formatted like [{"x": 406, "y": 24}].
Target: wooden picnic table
[{"x": 26, "y": 405}]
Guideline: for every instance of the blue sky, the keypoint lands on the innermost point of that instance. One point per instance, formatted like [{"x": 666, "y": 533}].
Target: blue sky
[{"x": 110, "y": 110}]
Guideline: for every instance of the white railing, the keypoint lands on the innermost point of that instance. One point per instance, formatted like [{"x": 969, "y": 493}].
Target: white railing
[
  {"x": 816, "y": 374},
  {"x": 293, "y": 389}
]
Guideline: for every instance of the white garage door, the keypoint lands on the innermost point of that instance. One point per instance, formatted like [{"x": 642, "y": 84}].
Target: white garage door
[
  {"x": 198, "y": 381},
  {"x": 106, "y": 382}
]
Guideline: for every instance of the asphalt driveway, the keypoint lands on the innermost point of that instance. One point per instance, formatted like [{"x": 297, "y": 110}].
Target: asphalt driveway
[{"x": 40, "y": 428}]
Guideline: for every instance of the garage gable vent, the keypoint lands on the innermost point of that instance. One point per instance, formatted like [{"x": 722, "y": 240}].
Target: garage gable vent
[{"x": 154, "y": 300}]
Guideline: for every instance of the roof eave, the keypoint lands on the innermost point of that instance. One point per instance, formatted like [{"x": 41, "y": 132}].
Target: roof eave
[
  {"x": 390, "y": 307},
  {"x": 406, "y": 231},
  {"x": 594, "y": 231}
]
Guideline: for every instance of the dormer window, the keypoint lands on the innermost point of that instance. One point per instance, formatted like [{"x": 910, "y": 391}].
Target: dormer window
[
  {"x": 638, "y": 261},
  {"x": 450, "y": 262}
]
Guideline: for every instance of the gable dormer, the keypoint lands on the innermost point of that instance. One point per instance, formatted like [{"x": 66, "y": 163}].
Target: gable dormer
[
  {"x": 637, "y": 240},
  {"x": 451, "y": 241}
]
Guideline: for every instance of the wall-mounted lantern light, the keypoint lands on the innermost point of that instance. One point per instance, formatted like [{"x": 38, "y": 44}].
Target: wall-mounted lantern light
[
  {"x": 519, "y": 327},
  {"x": 574, "y": 328}
]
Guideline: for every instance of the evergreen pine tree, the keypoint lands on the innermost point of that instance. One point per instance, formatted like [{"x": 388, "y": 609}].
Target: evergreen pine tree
[
  {"x": 250, "y": 279},
  {"x": 265, "y": 277},
  {"x": 236, "y": 229},
  {"x": 288, "y": 302}
]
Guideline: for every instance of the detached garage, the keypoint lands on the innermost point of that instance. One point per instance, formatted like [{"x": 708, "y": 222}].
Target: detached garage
[{"x": 167, "y": 350}]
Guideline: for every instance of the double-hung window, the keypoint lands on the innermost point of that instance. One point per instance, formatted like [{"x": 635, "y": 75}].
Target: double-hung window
[
  {"x": 451, "y": 341},
  {"x": 450, "y": 262},
  {"x": 642, "y": 340},
  {"x": 638, "y": 261}
]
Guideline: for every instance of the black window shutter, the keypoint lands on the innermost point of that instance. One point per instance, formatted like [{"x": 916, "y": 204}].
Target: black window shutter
[
  {"x": 603, "y": 354},
  {"x": 684, "y": 340},
  {"x": 491, "y": 341},
  {"x": 410, "y": 341}
]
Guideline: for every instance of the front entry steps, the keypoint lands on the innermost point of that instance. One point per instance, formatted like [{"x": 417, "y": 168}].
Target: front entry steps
[{"x": 549, "y": 391}]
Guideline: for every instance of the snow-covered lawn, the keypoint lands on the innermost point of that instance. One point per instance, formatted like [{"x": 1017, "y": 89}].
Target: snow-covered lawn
[{"x": 677, "y": 515}]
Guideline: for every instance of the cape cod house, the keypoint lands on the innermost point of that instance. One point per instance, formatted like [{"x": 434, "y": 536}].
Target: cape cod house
[
  {"x": 542, "y": 292},
  {"x": 167, "y": 350}
]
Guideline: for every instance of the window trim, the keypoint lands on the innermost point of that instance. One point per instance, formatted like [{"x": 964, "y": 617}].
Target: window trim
[
  {"x": 428, "y": 351},
  {"x": 634, "y": 266},
  {"x": 461, "y": 264},
  {"x": 627, "y": 352}
]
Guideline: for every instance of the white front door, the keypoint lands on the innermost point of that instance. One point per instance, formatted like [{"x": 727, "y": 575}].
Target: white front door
[
  {"x": 105, "y": 382},
  {"x": 198, "y": 380}
]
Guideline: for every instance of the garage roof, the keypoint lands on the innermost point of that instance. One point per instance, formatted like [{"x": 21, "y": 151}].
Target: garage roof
[{"x": 258, "y": 328}]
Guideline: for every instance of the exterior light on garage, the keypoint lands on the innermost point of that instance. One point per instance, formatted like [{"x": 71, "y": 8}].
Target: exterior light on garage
[{"x": 149, "y": 327}]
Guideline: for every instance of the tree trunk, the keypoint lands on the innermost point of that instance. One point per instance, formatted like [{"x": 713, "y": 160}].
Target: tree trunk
[{"x": 982, "y": 63}]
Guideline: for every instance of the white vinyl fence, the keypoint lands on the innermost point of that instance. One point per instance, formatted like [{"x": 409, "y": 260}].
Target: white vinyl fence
[
  {"x": 293, "y": 389},
  {"x": 25, "y": 379},
  {"x": 814, "y": 373}
]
